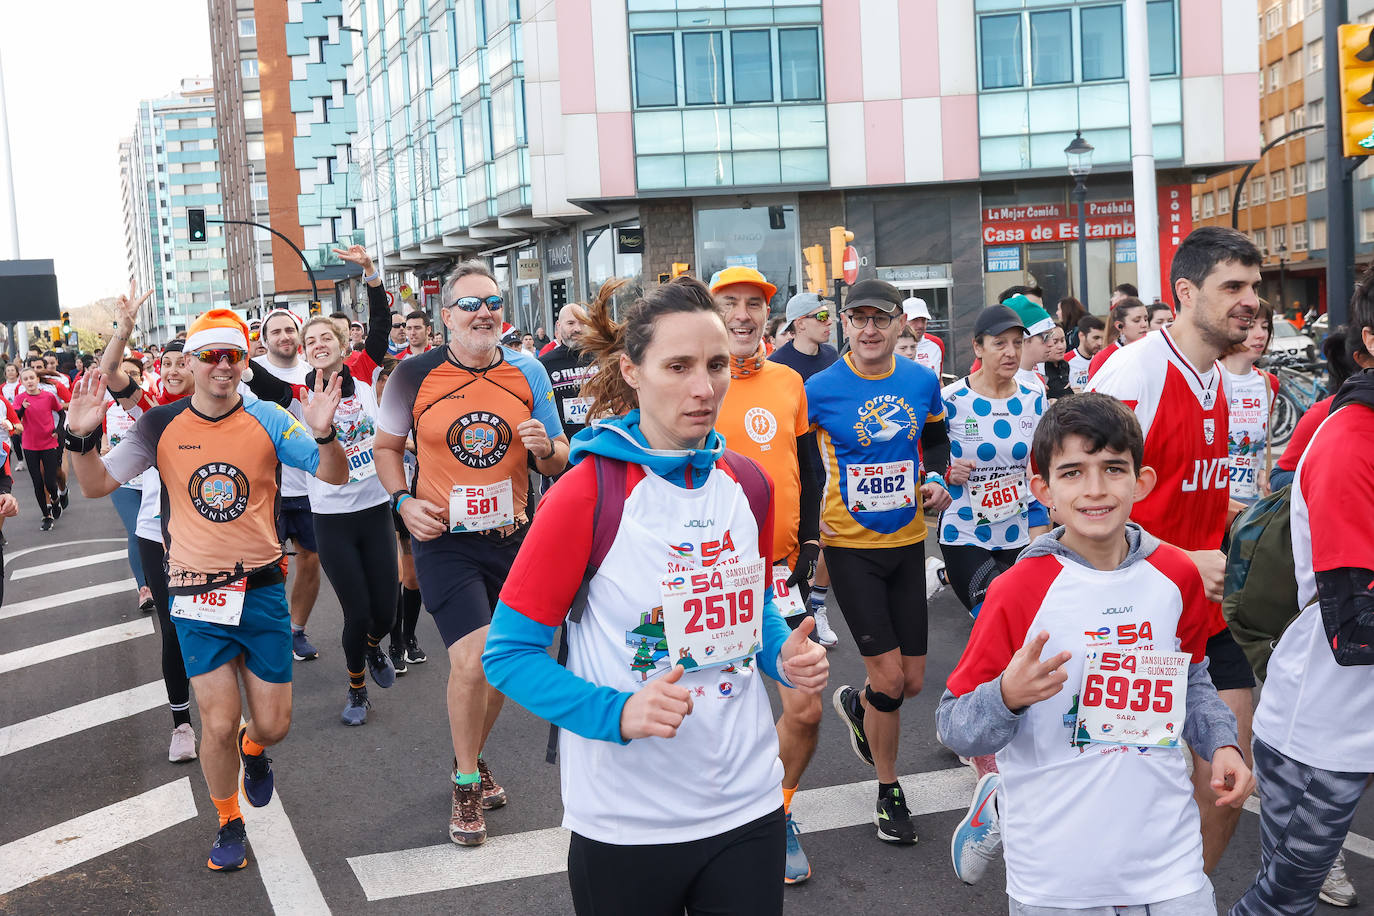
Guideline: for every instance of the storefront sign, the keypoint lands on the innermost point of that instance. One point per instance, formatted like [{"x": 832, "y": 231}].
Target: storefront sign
[
  {"x": 558, "y": 254},
  {"x": 1003, "y": 258},
  {"x": 914, "y": 272},
  {"x": 1125, "y": 251},
  {"x": 431, "y": 287},
  {"x": 527, "y": 269},
  {"x": 1175, "y": 222},
  {"x": 1105, "y": 219},
  {"x": 629, "y": 240}
]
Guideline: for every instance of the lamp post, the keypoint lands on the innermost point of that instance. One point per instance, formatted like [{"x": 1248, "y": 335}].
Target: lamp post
[
  {"x": 1283, "y": 276},
  {"x": 1079, "y": 153}
]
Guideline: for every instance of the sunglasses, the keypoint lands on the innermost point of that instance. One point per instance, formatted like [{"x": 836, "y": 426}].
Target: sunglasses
[
  {"x": 397, "y": 327},
  {"x": 213, "y": 357},
  {"x": 473, "y": 303},
  {"x": 822, "y": 316}
]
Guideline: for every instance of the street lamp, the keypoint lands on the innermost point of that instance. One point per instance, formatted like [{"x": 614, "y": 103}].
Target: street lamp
[
  {"x": 1283, "y": 276},
  {"x": 1079, "y": 153}
]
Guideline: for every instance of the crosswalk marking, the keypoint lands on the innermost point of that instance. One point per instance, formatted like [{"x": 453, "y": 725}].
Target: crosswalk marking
[
  {"x": 83, "y": 838},
  {"x": 54, "y": 725},
  {"x": 285, "y": 872},
  {"x": 544, "y": 852},
  {"x": 89, "y": 592},
  {"x": 82, "y": 642},
  {"x": 42, "y": 569}
]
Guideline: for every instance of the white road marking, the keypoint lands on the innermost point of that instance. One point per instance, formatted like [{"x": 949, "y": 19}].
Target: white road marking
[
  {"x": 54, "y": 725},
  {"x": 88, "y": 593},
  {"x": 10, "y": 558},
  {"x": 544, "y": 852},
  {"x": 82, "y": 642},
  {"x": 28, "y": 572},
  {"x": 83, "y": 838}
]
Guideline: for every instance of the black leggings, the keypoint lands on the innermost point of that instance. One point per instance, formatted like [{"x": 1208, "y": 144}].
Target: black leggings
[
  {"x": 358, "y": 554},
  {"x": 43, "y": 465},
  {"x": 173, "y": 666},
  {"x": 738, "y": 872},
  {"x": 971, "y": 570}
]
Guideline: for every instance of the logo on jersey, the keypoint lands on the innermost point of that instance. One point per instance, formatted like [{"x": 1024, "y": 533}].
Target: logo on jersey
[
  {"x": 1209, "y": 430},
  {"x": 219, "y": 491},
  {"x": 761, "y": 425},
  {"x": 479, "y": 439},
  {"x": 886, "y": 417}
]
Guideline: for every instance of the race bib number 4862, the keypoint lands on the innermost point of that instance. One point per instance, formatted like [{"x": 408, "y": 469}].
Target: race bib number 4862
[{"x": 881, "y": 487}]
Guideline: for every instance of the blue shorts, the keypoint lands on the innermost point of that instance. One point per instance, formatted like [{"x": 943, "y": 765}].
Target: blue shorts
[
  {"x": 1037, "y": 514},
  {"x": 263, "y": 638},
  {"x": 296, "y": 522}
]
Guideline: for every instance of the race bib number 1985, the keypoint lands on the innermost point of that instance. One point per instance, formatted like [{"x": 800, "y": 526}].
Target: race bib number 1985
[{"x": 223, "y": 605}]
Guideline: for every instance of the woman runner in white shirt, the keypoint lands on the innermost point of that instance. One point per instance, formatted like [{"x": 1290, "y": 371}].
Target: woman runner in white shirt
[{"x": 1251, "y": 391}]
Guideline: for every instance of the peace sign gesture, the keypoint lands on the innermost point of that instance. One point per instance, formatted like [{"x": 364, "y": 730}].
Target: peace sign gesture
[
  {"x": 128, "y": 305},
  {"x": 356, "y": 254}
]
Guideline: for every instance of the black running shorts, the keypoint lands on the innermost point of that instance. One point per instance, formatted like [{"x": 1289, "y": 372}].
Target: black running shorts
[
  {"x": 1226, "y": 663},
  {"x": 882, "y": 593}
]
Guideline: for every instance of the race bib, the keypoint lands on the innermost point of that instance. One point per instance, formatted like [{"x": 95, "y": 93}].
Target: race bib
[
  {"x": 882, "y": 487},
  {"x": 359, "y": 455},
  {"x": 1243, "y": 479},
  {"x": 1135, "y": 698},
  {"x": 481, "y": 508},
  {"x": 999, "y": 498},
  {"x": 713, "y": 617},
  {"x": 223, "y": 605},
  {"x": 575, "y": 410},
  {"x": 788, "y": 600}
]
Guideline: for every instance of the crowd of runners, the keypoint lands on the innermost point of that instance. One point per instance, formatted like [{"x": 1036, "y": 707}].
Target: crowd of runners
[{"x": 681, "y": 491}]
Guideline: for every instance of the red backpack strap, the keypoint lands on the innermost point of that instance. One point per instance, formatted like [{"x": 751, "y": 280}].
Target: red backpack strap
[{"x": 755, "y": 484}]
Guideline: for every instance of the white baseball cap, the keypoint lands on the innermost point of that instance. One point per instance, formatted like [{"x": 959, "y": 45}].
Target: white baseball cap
[{"x": 915, "y": 308}]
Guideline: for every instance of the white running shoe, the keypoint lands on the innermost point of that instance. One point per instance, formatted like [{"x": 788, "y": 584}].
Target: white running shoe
[
  {"x": 183, "y": 747},
  {"x": 934, "y": 566},
  {"x": 1337, "y": 889},
  {"x": 977, "y": 841},
  {"x": 824, "y": 634}
]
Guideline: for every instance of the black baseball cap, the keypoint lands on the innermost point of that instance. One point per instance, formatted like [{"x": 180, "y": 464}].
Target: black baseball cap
[
  {"x": 876, "y": 294},
  {"x": 995, "y": 319}
]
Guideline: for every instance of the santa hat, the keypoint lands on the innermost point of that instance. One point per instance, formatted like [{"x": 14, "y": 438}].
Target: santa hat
[{"x": 217, "y": 328}]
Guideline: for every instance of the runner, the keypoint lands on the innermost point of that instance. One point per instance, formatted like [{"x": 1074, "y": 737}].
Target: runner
[
  {"x": 764, "y": 416},
  {"x": 1036, "y": 346},
  {"x": 1340, "y": 365},
  {"x": 1158, "y": 315},
  {"x": 1067, "y": 313},
  {"x": 872, "y": 411},
  {"x": 11, "y": 388},
  {"x": 659, "y": 721},
  {"x": 38, "y": 408},
  {"x": 1056, "y": 368},
  {"x": 1251, "y": 393},
  {"x": 129, "y": 496},
  {"x": 396, "y": 342},
  {"x": 1130, "y": 322},
  {"x": 417, "y": 334},
  {"x": 479, "y": 412},
  {"x": 569, "y": 366},
  {"x": 403, "y": 649},
  {"x": 1172, "y": 381},
  {"x": 223, "y": 552},
  {"x": 930, "y": 350},
  {"x": 1091, "y": 333}
]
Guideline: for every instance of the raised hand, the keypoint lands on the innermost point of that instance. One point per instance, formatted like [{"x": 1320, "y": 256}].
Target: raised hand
[
  {"x": 658, "y": 709},
  {"x": 127, "y": 307},
  {"x": 319, "y": 413},
  {"x": 535, "y": 438},
  {"x": 87, "y": 409},
  {"x": 356, "y": 254},
  {"x": 1029, "y": 680},
  {"x": 804, "y": 663}
]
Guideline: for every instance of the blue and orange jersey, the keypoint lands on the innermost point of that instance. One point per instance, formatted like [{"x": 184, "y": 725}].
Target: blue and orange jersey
[
  {"x": 220, "y": 485},
  {"x": 863, "y": 421},
  {"x": 464, "y": 420}
]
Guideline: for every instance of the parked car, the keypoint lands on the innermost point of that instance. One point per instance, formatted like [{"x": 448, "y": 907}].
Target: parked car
[{"x": 1289, "y": 340}]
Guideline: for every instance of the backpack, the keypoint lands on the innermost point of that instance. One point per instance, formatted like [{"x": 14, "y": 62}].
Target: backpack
[
  {"x": 612, "y": 476},
  {"x": 1261, "y": 589}
]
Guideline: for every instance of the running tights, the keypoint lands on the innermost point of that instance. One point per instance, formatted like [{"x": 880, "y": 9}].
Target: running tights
[
  {"x": 43, "y": 465},
  {"x": 358, "y": 554},
  {"x": 173, "y": 666},
  {"x": 971, "y": 570}
]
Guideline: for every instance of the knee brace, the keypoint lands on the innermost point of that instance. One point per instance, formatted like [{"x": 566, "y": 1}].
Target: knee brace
[{"x": 881, "y": 701}]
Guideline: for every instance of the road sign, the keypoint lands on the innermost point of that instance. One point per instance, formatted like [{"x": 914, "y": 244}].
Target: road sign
[
  {"x": 390, "y": 299},
  {"x": 851, "y": 264}
]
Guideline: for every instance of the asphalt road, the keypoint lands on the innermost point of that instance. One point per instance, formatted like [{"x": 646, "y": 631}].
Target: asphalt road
[{"x": 93, "y": 819}]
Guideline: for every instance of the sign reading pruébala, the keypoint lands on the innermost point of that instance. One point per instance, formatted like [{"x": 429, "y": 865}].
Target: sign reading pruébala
[{"x": 1104, "y": 219}]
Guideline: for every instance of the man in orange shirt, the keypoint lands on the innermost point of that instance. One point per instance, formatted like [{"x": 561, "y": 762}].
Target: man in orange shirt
[{"x": 764, "y": 417}]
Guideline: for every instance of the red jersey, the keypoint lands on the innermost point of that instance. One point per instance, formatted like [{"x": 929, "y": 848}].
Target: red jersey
[{"x": 1100, "y": 358}]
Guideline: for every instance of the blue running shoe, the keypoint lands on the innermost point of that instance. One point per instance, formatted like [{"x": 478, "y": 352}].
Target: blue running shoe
[
  {"x": 383, "y": 671},
  {"x": 257, "y": 774},
  {"x": 230, "y": 852},
  {"x": 301, "y": 650},
  {"x": 978, "y": 838},
  {"x": 798, "y": 868},
  {"x": 355, "y": 713}
]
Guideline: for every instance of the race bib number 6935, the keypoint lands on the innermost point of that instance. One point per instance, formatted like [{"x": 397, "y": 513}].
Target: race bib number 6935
[{"x": 1135, "y": 698}]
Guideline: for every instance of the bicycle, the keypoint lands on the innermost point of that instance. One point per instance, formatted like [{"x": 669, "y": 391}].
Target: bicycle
[{"x": 1302, "y": 383}]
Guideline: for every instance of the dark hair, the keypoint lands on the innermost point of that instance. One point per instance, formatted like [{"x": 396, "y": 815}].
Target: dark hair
[
  {"x": 1071, "y": 311},
  {"x": 606, "y": 339},
  {"x": 1118, "y": 316},
  {"x": 775, "y": 324},
  {"x": 1340, "y": 363},
  {"x": 1099, "y": 418},
  {"x": 1157, "y": 306},
  {"x": 1010, "y": 291},
  {"x": 1127, "y": 288},
  {"x": 1089, "y": 323},
  {"x": 1204, "y": 249},
  {"x": 342, "y": 315},
  {"x": 423, "y": 316},
  {"x": 1361, "y": 314}
]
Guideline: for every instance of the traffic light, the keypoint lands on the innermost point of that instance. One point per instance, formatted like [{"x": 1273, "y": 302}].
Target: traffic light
[
  {"x": 195, "y": 224},
  {"x": 315, "y": 308},
  {"x": 680, "y": 268},
  {"x": 1357, "y": 89},
  {"x": 840, "y": 237},
  {"x": 66, "y": 323},
  {"x": 815, "y": 269}
]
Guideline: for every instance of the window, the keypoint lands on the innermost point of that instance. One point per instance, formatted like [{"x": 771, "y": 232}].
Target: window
[
  {"x": 1273, "y": 20},
  {"x": 247, "y": 28},
  {"x": 1001, "y": 36},
  {"x": 1316, "y": 175},
  {"x": 751, "y": 62},
  {"x": 1223, "y": 200},
  {"x": 259, "y": 190},
  {"x": 1299, "y": 236},
  {"x": 1274, "y": 76},
  {"x": 1294, "y": 66},
  {"x": 1297, "y": 118},
  {"x": 1298, "y": 181},
  {"x": 1208, "y": 206},
  {"x": 1367, "y": 225},
  {"x": 252, "y": 109},
  {"x": 1260, "y": 241},
  {"x": 250, "y": 68},
  {"x": 703, "y": 68},
  {"x": 655, "y": 71},
  {"x": 1256, "y": 188},
  {"x": 1159, "y": 18},
  {"x": 1316, "y": 240},
  {"x": 1276, "y": 185},
  {"x": 1278, "y": 237},
  {"x": 1243, "y": 200},
  {"x": 1051, "y": 47},
  {"x": 1100, "y": 36},
  {"x": 1314, "y": 56},
  {"x": 1275, "y": 128},
  {"x": 1313, "y": 6},
  {"x": 1294, "y": 12},
  {"x": 1316, "y": 111},
  {"x": 799, "y": 64}
]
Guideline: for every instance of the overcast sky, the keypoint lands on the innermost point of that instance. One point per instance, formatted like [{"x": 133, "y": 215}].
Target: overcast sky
[{"x": 74, "y": 74}]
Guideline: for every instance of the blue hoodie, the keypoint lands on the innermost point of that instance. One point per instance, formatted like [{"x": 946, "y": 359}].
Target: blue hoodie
[{"x": 516, "y": 658}]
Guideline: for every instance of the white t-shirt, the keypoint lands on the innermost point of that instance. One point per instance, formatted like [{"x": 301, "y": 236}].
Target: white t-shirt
[
  {"x": 11, "y": 389},
  {"x": 293, "y": 480},
  {"x": 990, "y": 510},
  {"x": 355, "y": 420},
  {"x": 1078, "y": 370},
  {"x": 929, "y": 354},
  {"x": 149, "y": 525},
  {"x": 118, "y": 422},
  {"x": 1247, "y": 431},
  {"x": 1032, "y": 380}
]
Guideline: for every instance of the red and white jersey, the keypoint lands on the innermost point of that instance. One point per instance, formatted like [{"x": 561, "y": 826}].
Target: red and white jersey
[
  {"x": 1100, "y": 359},
  {"x": 1078, "y": 370},
  {"x": 930, "y": 353},
  {"x": 1124, "y": 815}
]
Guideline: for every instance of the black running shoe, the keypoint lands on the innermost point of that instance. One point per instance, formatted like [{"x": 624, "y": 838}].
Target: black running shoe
[
  {"x": 398, "y": 657},
  {"x": 63, "y": 500},
  {"x": 893, "y": 819},
  {"x": 47, "y": 523},
  {"x": 56, "y": 510},
  {"x": 846, "y": 703},
  {"x": 414, "y": 654}
]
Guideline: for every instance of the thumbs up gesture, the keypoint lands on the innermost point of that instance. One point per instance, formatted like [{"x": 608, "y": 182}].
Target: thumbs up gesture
[
  {"x": 658, "y": 709},
  {"x": 804, "y": 663}
]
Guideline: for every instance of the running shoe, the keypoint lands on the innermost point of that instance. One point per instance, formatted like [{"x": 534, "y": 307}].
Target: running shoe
[
  {"x": 1337, "y": 889},
  {"x": 977, "y": 841},
  {"x": 935, "y": 576},
  {"x": 466, "y": 825},
  {"x": 62, "y": 499},
  {"x": 493, "y": 796},
  {"x": 355, "y": 713},
  {"x": 893, "y": 819},
  {"x": 414, "y": 654},
  {"x": 825, "y": 634},
  {"x": 383, "y": 673},
  {"x": 846, "y": 703},
  {"x": 56, "y": 509},
  {"x": 257, "y": 774},
  {"x": 398, "y": 657},
  {"x": 47, "y": 523},
  {"x": 183, "y": 746},
  {"x": 230, "y": 852},
  {"x": 146, "y": 604},
  {"x": 798, "y": 868},
  {"x": 301, "y": 649}
]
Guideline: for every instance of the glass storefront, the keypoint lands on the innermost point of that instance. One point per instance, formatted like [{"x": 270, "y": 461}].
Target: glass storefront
[
  {"x": 761, "y": 236},
  {"x": 603, "y": 259}
]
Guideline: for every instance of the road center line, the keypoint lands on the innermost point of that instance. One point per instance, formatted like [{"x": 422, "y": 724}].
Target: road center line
[
  {"x": 88, "y": 593},
  {"x": 82, "y": 642},
  {"x": 42, "y": 569},
  {"x": 63, "y": 722}
]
